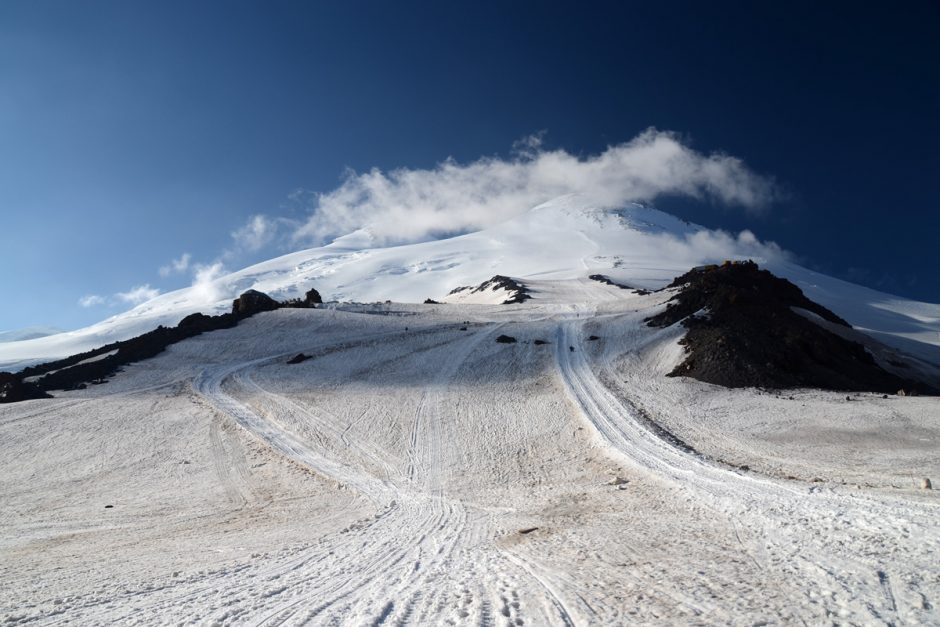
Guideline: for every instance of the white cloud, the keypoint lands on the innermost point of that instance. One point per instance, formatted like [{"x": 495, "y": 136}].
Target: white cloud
[
  {"x": 411, "y": 205},
  {"x": 716, "y": 246},
  {"x": 138, "y": 294},
  {"x": 256, "y": 233},
  {"x": 205, "y": 287},
  {"x": 176, "y": 266},
  {"x": 91, "y": 300}
]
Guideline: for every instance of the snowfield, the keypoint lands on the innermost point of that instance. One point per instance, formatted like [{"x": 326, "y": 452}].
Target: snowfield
[{"x": 415, "y": 471}]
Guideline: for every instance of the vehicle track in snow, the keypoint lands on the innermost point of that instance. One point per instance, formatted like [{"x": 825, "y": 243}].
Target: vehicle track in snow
[
  {"x": 387, "y": 568},
  {"x": 831, "y": 543}
]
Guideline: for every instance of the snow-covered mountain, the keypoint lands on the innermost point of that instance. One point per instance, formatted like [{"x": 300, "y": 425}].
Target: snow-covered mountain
[
  {"x": 565, "y": 238},
  {"x": 27, "y": 333},
  {"x": 464, "y": 461}
]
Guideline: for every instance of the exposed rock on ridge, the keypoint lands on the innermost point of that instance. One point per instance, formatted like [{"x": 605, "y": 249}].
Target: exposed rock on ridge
[
  {"x": 743, "y": 332},
  {"x": 74, "y": 371},
  {"x": 516, "y": 291}
]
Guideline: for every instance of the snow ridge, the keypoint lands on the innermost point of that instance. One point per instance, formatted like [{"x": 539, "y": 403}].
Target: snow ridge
[{"x": 564, "y": 239}]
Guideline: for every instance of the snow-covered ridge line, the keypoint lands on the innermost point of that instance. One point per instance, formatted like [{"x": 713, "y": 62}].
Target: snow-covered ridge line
[{"x": 567, "y": 238}]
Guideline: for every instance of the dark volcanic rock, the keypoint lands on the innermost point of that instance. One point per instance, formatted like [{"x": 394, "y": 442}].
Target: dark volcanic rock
[
  {"x": 71, "y": 374},
  {"x": 298, "y": 358},
  {"x": 506, "y": 339},
  {"x": 197, "y": 322},
  {"x": 310, "y": 301},
  {"x": 252, "y": 302},
  {"x": 13, "y": 389},
  {"x": 606, "y": 280},
  {"x": 517, "y": 292},
  {"x": 743, "y": 332},
  {"x": 430, "y": 301},
  {"x": 312, "y": 298}
]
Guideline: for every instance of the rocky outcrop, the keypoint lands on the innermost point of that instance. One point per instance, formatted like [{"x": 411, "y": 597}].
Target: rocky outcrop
[
  {"x": 742, "y": 331},
  {"x": 312, "y": 298},
  {"x": 13, "y": 389},
  {"x": 252, "y": 302},
  {"x": 606, "y": 280},
  {"x": 96, "y": 365},
  {"x": 515, "y": 291}
]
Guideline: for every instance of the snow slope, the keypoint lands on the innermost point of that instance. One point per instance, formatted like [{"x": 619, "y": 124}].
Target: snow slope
[
  {"x": 415, "y": 471},
  {"x": 566, "y": 238}
]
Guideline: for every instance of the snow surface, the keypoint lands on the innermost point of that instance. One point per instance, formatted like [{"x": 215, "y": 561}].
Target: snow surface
[
  {"x": 412, "y": 472},
  {"x": 566, "y": 238},
  {"x": 415, "y": 471}
]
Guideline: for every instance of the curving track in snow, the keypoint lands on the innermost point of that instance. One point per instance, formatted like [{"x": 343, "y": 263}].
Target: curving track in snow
[
  {"x": 843, "y": 549},
  {"x": 387, "y": 569}
]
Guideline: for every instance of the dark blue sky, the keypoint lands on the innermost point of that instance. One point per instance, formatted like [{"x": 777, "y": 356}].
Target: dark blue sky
[{"x": 132, "y": 131}]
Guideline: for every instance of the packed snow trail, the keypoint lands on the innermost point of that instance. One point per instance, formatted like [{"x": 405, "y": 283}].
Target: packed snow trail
[
  {"x": 418, "y": 538},
  {"x": 828, "y": 540}
]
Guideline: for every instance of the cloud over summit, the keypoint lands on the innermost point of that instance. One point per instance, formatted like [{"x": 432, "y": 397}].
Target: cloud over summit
[{"x": 408, "y": 205}]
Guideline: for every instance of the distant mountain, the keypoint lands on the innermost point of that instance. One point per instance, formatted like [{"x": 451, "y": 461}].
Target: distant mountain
[
  {"x": 28, "y": 333},
  {"x": 566, "y": 238}
]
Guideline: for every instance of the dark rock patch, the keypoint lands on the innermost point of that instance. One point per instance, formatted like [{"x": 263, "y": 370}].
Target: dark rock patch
[
  {"x": 606, "y": 280},
  {"x": 70, "y": 374},
  {"x": 13, "y": 389},
  {"x": 528, "y": 530},
  {"x": 539, "y": 342},
  {"x": 310, "y": 301},
  {"x": 743, "y": 332},
  {"x": 430, "y": 301},
  {"x": 517, "y": 292},
  {"x": 252, "y": 302},
  {"x": 298, "y": 358},
  {"x": 506, "y": 339},
  {"x": 593, "y": 338}
]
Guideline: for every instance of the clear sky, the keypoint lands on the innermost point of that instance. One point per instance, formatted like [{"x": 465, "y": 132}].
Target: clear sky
[{"x": 134, "y": 132}]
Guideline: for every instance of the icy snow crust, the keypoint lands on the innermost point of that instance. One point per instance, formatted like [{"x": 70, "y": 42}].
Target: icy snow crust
[
  {"x": 389, "y": 479},
  {"x": 566, "y": 238}
]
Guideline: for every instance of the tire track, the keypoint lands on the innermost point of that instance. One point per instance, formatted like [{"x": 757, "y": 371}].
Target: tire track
[
  {"x": 810, "y": 537},
  {"x": 229, "y": 466}
]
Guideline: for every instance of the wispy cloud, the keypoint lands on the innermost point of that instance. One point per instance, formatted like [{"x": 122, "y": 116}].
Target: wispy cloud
[
  {"x": 415, "y": 204},
  {"x": 91, "y": 300},
  {"x": 256, "y": 233},
  {"x": 138, "y": 294},
  {"x": 205, "y": 287},
  {"x": 714, "y": 247},
  {"x": 176, "y": 266}
]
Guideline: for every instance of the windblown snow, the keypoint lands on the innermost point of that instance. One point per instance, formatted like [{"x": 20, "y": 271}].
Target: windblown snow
[{"x": 415, "y": 471}]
